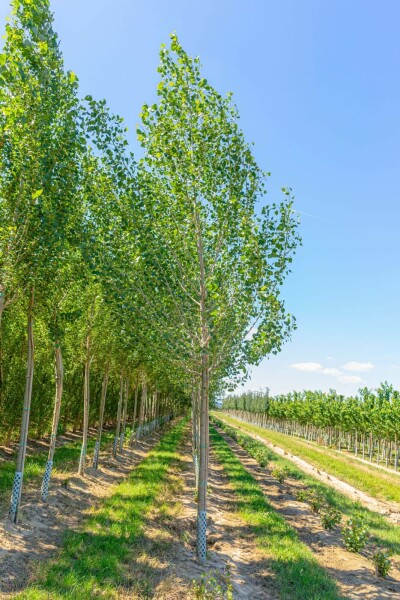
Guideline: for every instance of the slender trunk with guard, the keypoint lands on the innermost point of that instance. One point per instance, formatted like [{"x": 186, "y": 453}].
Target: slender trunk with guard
[
  {"x": 143, "y": 401},
  {"x": 124, "y": 413},
  {"x": 56, "y": 417},
  {"x": 19, "y": 473},
  {"x": 101, "y": 416},
  {"x": 119, "y": 409},
  {"x": 86, "y": 401},
  {"x": 203, "y": 408},
  {"x": 133, "y": 436},
  {"x": 2, "y": 306}
]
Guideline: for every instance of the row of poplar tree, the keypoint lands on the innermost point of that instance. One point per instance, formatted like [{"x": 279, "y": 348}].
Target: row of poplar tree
[
  {"x": 367, "y": 423},
  {"x": 161, "y": 274}
]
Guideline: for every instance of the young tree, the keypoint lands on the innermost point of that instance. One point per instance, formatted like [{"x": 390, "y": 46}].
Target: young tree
[
  {"x": 39, "y": 170},
  {"x": 216, "y": 266}
]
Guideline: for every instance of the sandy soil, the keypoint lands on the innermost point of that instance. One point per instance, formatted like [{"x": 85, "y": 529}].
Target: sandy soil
[
  {"x": 169, "y": 549},
  {"x": 42, "y": 445},
  {"x": 391, "y": 510},
  {"x": 354, "y": 573},
  {"x": 40, "y": 530}
]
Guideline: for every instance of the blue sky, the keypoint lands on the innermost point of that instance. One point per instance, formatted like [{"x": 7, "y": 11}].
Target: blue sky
[{"x": 318, "y": 90}]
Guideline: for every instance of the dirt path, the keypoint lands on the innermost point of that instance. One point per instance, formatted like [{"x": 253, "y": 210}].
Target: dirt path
[
  {"x": 40, "y": 530},
  {"x": 169, "y": 551},
  {"x": 354, "y": 573},
  {"x": 390, "y": 510}
]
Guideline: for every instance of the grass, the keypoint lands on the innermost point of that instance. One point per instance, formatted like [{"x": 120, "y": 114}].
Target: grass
[
  {"x": 66, "y": 458},
  {"x": 383, "y": 533},
  {"x": 298, "y": 574},
  {"x": 95, "y": 562},
  {"x": 373, "y": 481}
]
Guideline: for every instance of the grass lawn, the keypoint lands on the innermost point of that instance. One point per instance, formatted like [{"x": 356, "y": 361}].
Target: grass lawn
[
  {"x": 94, "y": 562},
  {"x": 298, "y": 574}
]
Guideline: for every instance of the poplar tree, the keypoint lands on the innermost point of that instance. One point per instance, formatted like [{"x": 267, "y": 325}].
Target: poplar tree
[
  {"x": 39, "y": 173},
  {"x": 217, "y": 262}
]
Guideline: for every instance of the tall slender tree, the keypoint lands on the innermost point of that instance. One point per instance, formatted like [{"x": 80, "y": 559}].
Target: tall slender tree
[{"x": 222, "y": 262}]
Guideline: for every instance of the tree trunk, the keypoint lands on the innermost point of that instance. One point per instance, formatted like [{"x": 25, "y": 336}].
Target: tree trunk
[
  {"x": 86, "y": 400},
  {"x": 101, "y": 416},
  {"x": 194, "y": 434},
  {"x": 56, "y": 417},
  {"x": 118, "y": 426},
  {"x": 133, "y": 436},
  {"x": 19, "y": 473},
  {"x": 203, "y": 466},
  {"x": 2, "y": 305},
  {"x": 204, "y": 421},
  {"x": 122, "y": 437},
  {"x": 141, "y": 416}
]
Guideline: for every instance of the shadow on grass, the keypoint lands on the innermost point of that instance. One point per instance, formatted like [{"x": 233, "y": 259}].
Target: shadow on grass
[
  {"x": 65, "y": 458},
  {"x": 298, "y": 575},
  {"x": 93, "y": 563},
  {"x": 383, "y": 533}
]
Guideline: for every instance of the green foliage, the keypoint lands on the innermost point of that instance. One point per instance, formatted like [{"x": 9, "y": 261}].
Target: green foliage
[
  {"x": 382, "y": 562},
  {"x": 374, "y": 412},
  {"x": 317, "y": 501},
  {"x": 330, "y": 518},
  {"x": 355, "y": 533},
  {"x": 364, "y": 477},
  {"x": 280, "y": 473},
  {"x": 210, "y": 587},
  {"x": 302, "y": 495}
]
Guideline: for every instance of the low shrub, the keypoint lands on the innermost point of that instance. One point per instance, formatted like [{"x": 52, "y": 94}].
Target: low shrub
[
  {"x": 355, "y": 533},
  {"x": 331, "y": 518},
  {"x": 382, "y": 562},
  {"x": 317, "y": 502},
  {"x": 302, "y": 495},
  {"x": 280, "y": 474}
]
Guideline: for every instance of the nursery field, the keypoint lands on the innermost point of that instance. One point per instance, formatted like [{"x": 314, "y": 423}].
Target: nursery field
[
  {"x": 140, "y": 280},
  {"x": 383, "y": 485},
  {"x": 129, "y": 530}
]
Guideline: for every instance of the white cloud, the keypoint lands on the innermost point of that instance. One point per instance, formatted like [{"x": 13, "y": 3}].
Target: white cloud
[
  {"x": 350, "y": 379},
  {"x": 363, "y": 367},
  {"x": 310, "y": 367},
  {"x": 338, "y": 374},
  {"x": 331, "y": 371},
  {"x": 314, "y": 367}
]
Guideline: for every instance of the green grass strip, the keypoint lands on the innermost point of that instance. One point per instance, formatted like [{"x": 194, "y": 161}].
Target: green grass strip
[
  {"x": 383, "y": 533},
  {"x": 369, "y": 479},
  {"x": 298, "y": 574},
  {"x": 94, "y": 562},
  {"x": 66, "y": 457}
]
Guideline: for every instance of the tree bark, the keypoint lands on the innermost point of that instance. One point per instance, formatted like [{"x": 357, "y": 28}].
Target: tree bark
[
  {"x": 124, "y": 412},
  {"x": 2, "y": 306},
  {"x": 56, "y": 417},
  {"x": 143, "y": 401},
  {"x": 19, "y": 473},
  {"x": 101, "y": 416},
  {"x": 118, "y": 426},
  {"x": 133, "y": 436},
  {"x": 204, "y": 419},
  {"x": 86, "y": 401}
]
